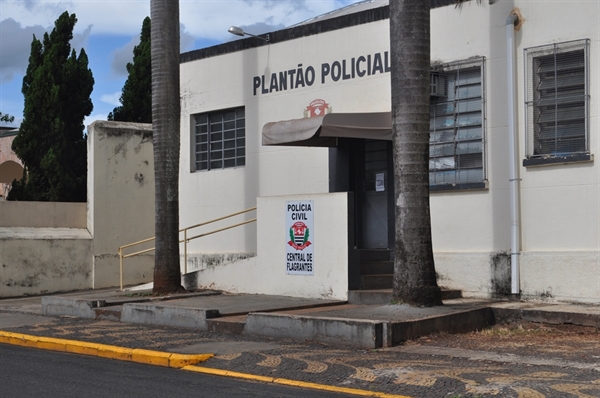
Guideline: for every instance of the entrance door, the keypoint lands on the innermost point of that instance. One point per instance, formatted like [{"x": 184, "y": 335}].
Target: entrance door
[
  {"x": 365, "y": 167},
  {"x": 377, "y": 215}
]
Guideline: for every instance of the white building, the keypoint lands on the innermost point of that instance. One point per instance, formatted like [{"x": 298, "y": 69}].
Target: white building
[{"x": 338, "y": 65}]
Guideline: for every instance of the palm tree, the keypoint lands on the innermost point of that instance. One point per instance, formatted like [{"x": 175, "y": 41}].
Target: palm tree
[
  {"x": 165, "y": 130},
  {"x": 414, "y": 271}
]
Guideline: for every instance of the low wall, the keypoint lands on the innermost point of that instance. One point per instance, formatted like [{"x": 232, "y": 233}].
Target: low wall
[
  {"x": 266, "y": 273},
  {"x": 48, "y": 247},
  {"x": 44, "y": 260},
  {"x": 43, "y": 214},
  {"x": 560, "y": 276}
]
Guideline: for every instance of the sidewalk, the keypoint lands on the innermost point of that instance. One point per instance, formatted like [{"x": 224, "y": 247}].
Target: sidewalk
[
  {"x": 317, "y": 320},
  {"x": 433, "y": 366}
]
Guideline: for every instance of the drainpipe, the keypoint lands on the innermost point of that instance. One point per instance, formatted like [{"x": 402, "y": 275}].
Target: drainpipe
[{"x": 515, "y": 221}]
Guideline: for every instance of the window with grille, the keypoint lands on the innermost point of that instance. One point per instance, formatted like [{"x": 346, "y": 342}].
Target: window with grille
[
  {"x": 457, "y": 125},
  {"x": 557, "y": 103},
  {"x": 220, "y": 139}
]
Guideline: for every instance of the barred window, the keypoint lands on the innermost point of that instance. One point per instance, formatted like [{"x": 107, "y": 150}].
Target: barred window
[
  {"x": 220, "y": 139},
  {"x": 457, "y": 125},
  {"x": 557, "y": 101}
]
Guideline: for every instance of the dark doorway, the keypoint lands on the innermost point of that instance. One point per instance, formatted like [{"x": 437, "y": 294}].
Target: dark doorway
[{"x": 365, "y": 167}]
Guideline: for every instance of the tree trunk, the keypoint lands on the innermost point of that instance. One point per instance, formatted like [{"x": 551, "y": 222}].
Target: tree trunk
[
  {"x": 414, "y": 270},
  {"x": 165, "y": 129}
]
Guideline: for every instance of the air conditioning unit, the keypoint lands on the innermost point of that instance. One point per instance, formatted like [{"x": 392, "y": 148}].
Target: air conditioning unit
[{"x": 437, "y": 86}]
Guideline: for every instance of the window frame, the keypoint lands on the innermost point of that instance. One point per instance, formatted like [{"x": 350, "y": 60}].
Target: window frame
[
  {"x": 226, "y": 144},
  {"x": 533, "y": 56},
  {"x": 449, "y": 70}
]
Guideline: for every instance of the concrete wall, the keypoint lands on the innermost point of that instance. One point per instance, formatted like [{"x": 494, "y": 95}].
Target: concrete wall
[
  {"x": 43, "y": 215},
  {"x": 45, "y": 247},
  {"x": 266, "y": 273},
  {"x": 560, "y": 204},
  {"x": 471, "y": 229},
  {"x": 52, "y": 247},
  {"x": 120, "y": 199},
  {"x": 44, "y": 260}
]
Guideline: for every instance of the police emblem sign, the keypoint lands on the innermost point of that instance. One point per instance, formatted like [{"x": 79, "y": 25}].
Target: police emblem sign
[{"x": 299, "y": 238}]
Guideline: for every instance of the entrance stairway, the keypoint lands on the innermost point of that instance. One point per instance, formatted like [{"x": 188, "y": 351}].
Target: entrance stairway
[{"x": 376, "y": 275}]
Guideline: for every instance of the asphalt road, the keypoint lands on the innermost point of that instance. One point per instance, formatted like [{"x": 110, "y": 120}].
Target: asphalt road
[
  {"x": 509, "y": 361},
  {"x": 27, "y": 372}
]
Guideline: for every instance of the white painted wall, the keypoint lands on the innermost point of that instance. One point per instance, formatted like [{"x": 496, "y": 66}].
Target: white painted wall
[
  {"x": 53, "y": 247},
  {"x": 269, "y": 170},
  {"x": 120, "y": 199},
  {"x": 560, "y": 204},
  {"x": 265, "y": 273},
  {"x": 44, "y": 260},
  {"x": 43, "y": 214}
]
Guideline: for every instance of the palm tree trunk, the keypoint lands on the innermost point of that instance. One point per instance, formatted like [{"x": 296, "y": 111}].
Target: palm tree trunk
[
  {"x": 414, "y": 270},
  {"x": 165, "y": 129}
]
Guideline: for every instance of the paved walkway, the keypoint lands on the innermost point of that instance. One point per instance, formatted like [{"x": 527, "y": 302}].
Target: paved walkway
[{"x": 407, "y": 370}]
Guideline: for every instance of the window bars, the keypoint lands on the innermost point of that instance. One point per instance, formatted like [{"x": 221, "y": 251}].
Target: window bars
[
  {"x": 457, "y": 124},
  {"x": 557, "y": 100},
  {"x": 220, "y": 139}
]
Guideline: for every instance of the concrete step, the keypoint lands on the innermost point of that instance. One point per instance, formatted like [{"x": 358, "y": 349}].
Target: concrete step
[
  {"x": 369, "y": 326},
  {"x": 383, "y": 281},
  {"x": 110, "y": 313},
  {"x": 189, "y": 311},
  {"x": 579, "y": 314},
  {"x": 227, "y": 324},
  {"x": 384, "y": 296},
  {"x": 377, "y": 268}
]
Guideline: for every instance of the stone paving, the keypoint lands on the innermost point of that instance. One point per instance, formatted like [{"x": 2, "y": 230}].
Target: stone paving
[{"x": 413, "y": 370}]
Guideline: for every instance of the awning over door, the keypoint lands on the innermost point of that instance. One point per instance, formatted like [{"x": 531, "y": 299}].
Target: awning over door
[{"x": 323, "y": 131}]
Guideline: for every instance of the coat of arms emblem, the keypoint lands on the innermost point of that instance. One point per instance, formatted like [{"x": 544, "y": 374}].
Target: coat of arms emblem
[
  {"x": 316, "y": 108},
  {"x": 299, "y": 234}
]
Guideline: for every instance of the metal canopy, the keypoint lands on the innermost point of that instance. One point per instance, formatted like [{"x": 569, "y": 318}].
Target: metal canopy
[{"x": 323, "y": 131}]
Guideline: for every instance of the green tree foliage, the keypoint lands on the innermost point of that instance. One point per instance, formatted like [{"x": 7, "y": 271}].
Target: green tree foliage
[
  {"x": 51, "y": 142},
  {"x": 6, "y": 118},
  {"x": 136, "y": 99}
]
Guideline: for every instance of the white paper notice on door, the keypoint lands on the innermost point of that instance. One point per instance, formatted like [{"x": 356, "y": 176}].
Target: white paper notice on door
[{"x": 379, "y": 185}]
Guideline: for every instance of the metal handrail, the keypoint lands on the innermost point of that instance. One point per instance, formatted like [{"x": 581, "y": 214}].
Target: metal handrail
[{"x": 185, "y": 239}]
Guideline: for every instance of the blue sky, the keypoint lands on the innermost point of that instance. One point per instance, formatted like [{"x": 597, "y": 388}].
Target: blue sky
[{"x": 108, "y": 30}]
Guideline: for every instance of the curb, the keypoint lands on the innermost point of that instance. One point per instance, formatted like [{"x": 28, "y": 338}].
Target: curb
[
  {"x": 172, "y": 360},
  {"x": 138, "y": 355},
  {"x": 288, "y": 382}
]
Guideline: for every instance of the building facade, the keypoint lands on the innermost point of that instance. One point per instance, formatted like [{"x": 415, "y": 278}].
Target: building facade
[{"x": 306, "y": 114}]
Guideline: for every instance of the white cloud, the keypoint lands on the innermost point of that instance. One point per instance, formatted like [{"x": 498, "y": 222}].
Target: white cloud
[
  {"x": 186, "y": 40},
  {"x": 208, "y": 19},
  {"x": 202, "y": 22},
  {"x": 15, "y": 46},
  {"x": 13, "y": 40},
  {"x": 92, "y": 118},
  {"x": 114, "y": 17},
  {"x": 121, "y": 56},
  {"x": 211, "y": 19},
  {"x": 112, "y": 99}
]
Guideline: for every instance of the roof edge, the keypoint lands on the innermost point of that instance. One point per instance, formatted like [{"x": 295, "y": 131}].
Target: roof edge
[{"x": 298, "y": 31}]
